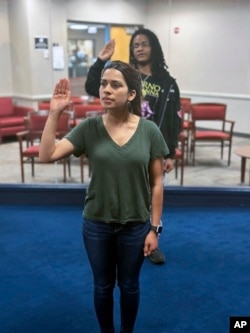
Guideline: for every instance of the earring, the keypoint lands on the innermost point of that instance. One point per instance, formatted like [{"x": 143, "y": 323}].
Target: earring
[{"x": 130, "y": 108}]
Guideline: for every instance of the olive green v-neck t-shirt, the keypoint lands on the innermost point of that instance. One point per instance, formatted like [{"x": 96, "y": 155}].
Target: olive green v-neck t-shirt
[{"x": 119, "y": 189}]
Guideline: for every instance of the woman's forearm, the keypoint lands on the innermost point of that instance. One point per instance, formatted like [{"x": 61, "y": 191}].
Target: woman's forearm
[
  {"x": 156, "y": 204},
  {"x": 48, "y": 140}
]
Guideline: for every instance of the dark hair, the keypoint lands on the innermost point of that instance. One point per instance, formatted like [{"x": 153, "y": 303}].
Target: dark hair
[
  {"x": 158, "y": 64},
  {"x": 133, "y": 81}
]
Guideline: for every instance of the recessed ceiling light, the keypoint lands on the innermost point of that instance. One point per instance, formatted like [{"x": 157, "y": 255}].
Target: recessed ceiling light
[{"x": 78, "y": 27}]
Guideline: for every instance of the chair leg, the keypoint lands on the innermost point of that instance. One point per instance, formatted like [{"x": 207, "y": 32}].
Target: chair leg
[
  {"x": 32, "y": 167},
  {"x": 182, "y": 171},
  {"x": 221, "y": 149},
  {"x": 65, "y": 162},
  {"x": 22, "y": 170},
  {"x": 187, "y": 144},
  {"x": 229, "y": 153},
  {"x": 192, "y": 152},
  {"x": 176, "y": 169},
  {"x": 187, "y": 152},
  {"x": 69, "y": 166},
  {"x": 21, "y": 159},
  {"x": 81, "y": 168},
  {"x": 179, "y": 163}
]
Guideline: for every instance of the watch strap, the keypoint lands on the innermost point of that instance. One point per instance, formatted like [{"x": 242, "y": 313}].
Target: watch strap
[{"x": 157, "y": 229}]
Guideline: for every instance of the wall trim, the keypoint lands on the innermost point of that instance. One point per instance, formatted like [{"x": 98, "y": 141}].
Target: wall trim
[
  {"x": 215, "y": 94},
  {"x": 175, "y": 196}
]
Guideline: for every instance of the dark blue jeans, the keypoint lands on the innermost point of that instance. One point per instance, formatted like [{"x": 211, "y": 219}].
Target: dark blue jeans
[{"x": 115, "y": 252}]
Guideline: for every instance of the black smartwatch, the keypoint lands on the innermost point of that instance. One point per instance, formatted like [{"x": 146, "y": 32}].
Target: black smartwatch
[{"x": 157, "y": 229}]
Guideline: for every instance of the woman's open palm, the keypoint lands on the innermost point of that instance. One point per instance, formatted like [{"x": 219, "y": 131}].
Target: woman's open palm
[{"x": 61, "y": 97}]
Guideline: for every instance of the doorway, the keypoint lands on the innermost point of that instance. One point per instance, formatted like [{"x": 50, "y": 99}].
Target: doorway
[{"x": 85, "y": 40}]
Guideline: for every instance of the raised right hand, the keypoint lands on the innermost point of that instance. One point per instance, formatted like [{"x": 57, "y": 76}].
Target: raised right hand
[
  {"x": 107, "y": 51},
  {"x": 61, "y": 97}
]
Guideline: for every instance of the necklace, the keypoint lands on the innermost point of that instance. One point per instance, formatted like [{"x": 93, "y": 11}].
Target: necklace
[{"x": 144, "y": 79}]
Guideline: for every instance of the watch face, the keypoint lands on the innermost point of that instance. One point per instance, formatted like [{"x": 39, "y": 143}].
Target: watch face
[{"x": 157, "y": 229}]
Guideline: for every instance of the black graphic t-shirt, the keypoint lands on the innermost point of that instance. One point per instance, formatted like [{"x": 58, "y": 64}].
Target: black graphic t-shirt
[{"x": 151, "y": 91}]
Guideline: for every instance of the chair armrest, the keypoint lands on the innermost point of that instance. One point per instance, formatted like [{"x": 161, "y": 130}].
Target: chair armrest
[
  {"x": 22, "y": 134},
  {"x": 231, "y": 125},
  {"x": 182, "y": 136},
  {"x": 230, "y": 121}
]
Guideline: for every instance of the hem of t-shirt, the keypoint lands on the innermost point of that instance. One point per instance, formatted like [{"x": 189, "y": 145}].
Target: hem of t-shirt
[
  {"x": 159, "y": 155},
  {"x": 120, "y": 221}
]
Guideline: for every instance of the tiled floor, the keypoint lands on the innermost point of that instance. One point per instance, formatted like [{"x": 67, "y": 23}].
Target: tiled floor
[{"x": 209, "y": 169}]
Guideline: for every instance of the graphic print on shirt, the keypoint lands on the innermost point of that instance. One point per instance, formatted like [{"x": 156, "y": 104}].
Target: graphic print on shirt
[
  {"x": 150, "y": 94},
  {"x": 146, "y": 110},
  {"x": 150, "y": 89}
]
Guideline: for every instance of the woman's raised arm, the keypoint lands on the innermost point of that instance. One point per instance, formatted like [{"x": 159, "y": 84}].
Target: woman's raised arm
[{"x": 50, "y": 150}]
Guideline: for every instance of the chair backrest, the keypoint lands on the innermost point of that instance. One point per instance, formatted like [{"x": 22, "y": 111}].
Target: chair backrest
[
  {"x": 94, "y": 113},
  {"x": 64, "y": 123},
  {"x": 44, "y": 105},
  {"x": 35, "y": 123},
  {"x": 81, "y": 110},
  {"x": 185, "y": 105},
  {"x": 37, "y": 119},
  {"x": 94, "y": 100},
  {"x": 6, "y": 106},
  {"x": 208, "y": 111},
  {"x": 185, "y": 113},
  {"x": 77, "y": 100}
]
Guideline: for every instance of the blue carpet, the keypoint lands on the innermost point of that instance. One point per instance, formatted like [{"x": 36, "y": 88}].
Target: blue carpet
[{"x": 46, "y": 283}]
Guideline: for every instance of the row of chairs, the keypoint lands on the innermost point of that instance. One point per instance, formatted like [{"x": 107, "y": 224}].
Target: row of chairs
[
  {"x": 202, "y": 123},
  {"x": 35, "y": 121},
  {"x": 191, "y": 134},
  {"x": 30, "y": 138},
  {"x": 79, "y": 110},
  {"x": 75, "y": 100}
]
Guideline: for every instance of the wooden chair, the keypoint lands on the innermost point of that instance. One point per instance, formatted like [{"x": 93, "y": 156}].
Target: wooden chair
[
  {"x": 43, "y": 105},
  {"x": 75, "y": 100},
  {"x": 186, "y": 124},
  {"x": 186, "y": 113},
  {"x": 209, "y": 124},
  {"x": 29, "y": 140},
  {"x": 180, "y": 157},
  {"x": 78, "y": 100},
  {"x": 82, "y": 111},
  {"x": 94, "y": 100}
]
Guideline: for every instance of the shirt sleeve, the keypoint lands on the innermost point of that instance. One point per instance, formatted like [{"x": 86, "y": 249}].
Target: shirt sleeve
[
  {"x": 92, "y": 83},
  {"x": 159, "y": 146},
  {"x": 174, "y": 121},
  {"x": 77, "y": 136}
]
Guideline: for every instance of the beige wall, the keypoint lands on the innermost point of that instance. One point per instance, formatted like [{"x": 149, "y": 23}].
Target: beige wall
[
  {"x": 33, "y": 75},
  {"x": 210, "y": 57},
  {"x": 32, "y": 72},
  {"x": 6, "y": 84}
]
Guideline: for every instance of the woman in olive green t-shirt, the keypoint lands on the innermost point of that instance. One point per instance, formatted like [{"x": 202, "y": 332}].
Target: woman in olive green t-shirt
[{"x": 123, "y": 204}]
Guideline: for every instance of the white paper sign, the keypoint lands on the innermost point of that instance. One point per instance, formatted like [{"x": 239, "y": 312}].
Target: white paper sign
[{"x": 58, "y": 57}]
